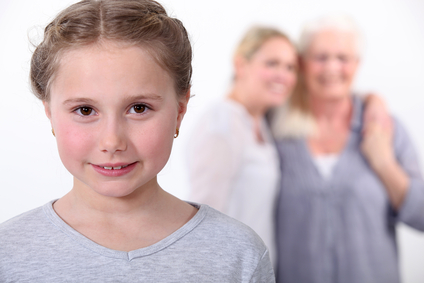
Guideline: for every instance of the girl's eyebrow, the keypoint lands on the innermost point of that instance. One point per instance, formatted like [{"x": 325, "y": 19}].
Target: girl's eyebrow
[
  {"x": 79, "y": 100},
  {"x": 149, "y": 96}
]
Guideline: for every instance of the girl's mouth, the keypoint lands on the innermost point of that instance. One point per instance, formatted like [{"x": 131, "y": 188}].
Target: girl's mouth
[
  {"x": 114, "y": 168},
  {"x": 114, "y": 171}
]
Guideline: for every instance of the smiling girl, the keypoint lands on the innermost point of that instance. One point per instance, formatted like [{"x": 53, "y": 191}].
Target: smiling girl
[{"x": 114, "y": 78}]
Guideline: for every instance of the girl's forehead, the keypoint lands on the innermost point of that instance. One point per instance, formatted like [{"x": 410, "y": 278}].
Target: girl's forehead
[
  {"x": 104, "y": 46},
  {"x": 106, "y": 69}
]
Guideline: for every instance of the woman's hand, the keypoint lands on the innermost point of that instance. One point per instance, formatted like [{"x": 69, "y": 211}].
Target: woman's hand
[
  {"x": 377, "y": 147},
  {"x": 376, "y": 111},
  {"x": 377, "y": 144}
]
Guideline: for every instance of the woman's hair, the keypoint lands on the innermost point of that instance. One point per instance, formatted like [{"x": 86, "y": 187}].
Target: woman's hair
[
  {"x": 336, "y": 22},
  {"x": 144, "y": 23},
  {"x": 254, "y": 38},
  {"x": 296, "y": 120}
]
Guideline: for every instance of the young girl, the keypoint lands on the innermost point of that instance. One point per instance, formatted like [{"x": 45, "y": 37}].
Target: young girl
[{"x": 114, "y": 78}]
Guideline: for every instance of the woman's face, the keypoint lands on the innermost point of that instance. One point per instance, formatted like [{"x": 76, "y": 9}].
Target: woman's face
[
  {"x": 114, "y": 111},
  {"x": 330, "y": 64},
  {"x": 271, "y": 73}
]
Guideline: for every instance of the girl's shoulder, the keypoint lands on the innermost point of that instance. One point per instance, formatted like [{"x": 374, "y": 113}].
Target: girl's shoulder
[
  {"x": 28, "y": 229},
  {"x": 26, "y": 222},
  {"x": 210, "y": 240},
  {"x": 219, "y": 238},
  {"x": 217, "y": 226}
]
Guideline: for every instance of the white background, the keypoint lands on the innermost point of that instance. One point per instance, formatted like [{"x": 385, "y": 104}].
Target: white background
[{"x": 393, "y": 65}]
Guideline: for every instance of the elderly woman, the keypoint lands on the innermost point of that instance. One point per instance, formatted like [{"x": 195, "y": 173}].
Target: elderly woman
[{"x": 343, "y": 186}]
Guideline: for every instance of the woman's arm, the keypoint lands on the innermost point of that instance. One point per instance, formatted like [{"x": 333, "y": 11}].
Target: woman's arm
[
  {"x": 212, "y": 165},
  {"x": 215, "y": 151},
  {"x": 375, "y": 111},
  {"x": 396, "y": 163},
  {"x": 377, "y": 146}
]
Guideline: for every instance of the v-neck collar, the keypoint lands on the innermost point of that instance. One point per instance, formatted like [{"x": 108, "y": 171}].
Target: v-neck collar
[{"x": 94, "y": 247}]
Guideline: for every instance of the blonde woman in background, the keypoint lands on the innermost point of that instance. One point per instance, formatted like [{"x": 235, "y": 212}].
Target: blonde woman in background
[
  {"x": 344, "y": 184},
  {"x": 233, "y": 164}
]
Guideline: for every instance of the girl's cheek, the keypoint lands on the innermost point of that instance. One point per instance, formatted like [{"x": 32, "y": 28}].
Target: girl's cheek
[{"x": 74, "y": 137}]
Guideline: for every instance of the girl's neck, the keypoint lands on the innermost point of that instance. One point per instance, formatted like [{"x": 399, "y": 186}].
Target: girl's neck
[
  {"x": 84, "y": 199},
  {"x": 124, "y": 223}
]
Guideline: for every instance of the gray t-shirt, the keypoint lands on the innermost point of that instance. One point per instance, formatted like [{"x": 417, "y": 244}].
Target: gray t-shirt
[{"x": 38, "y": 246}]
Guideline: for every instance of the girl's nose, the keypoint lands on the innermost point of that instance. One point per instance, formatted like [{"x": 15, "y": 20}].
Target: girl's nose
[{"x": 112, "y": 138}]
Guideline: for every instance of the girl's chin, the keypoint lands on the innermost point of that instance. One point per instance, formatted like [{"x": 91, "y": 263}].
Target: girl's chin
[{"x": 114, "y": 192}]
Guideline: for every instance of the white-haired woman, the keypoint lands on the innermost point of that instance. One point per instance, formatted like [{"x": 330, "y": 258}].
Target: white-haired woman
[{"x": 344, "y": 186}]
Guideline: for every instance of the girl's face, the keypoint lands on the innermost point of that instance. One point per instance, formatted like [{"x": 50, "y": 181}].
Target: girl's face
[
  {"x": 271, "y": 73},
  {"x": 330, "y": 64},
  {"x": 114, "y": 111}
]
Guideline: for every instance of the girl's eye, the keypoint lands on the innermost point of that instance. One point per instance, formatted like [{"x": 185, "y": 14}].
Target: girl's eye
[
  {"x": 85, "y": 111},
  {"x": 138, "y": 108}
]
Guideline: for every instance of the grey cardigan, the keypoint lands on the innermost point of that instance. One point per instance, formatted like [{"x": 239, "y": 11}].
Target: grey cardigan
[{"x": 342, "y": 229}]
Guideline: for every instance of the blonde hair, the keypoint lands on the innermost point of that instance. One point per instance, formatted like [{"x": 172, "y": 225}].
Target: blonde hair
[
  {"x": 254, "y": 38},
  {"x": 140, "y": 22},
  {"x": 294, "y": 120}
]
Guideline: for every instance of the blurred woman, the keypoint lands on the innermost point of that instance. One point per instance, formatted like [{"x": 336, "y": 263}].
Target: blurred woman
[
  {"x": 233, "y": 163},
  {"x": 344, "y": 186}
]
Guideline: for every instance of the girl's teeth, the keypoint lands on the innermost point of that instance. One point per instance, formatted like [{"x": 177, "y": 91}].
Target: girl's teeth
[{"x": 115, "y": 168}]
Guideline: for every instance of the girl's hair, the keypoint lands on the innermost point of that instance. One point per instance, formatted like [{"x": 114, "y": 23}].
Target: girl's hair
[
  {"x": 144, "y": 23},
  {"x": 254, "y": 38}
]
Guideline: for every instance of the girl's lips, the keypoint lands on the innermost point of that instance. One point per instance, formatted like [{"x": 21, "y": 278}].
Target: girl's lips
[{"x": 114, "y": 170}]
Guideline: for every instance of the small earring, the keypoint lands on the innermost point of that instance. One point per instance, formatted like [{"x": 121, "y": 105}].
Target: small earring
[
  {"x": 53, "y": 132},
  {"x": 177, "y": 132}
]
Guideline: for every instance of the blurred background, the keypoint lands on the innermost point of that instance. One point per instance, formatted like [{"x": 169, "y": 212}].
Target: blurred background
[{"x": 392, "y": 66}]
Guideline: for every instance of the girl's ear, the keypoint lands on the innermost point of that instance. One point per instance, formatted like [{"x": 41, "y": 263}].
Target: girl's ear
[
  {"x": 182, "y": 107},
  {"x": 48, "y": 112},
  {"x": 47, "y": 109}
]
